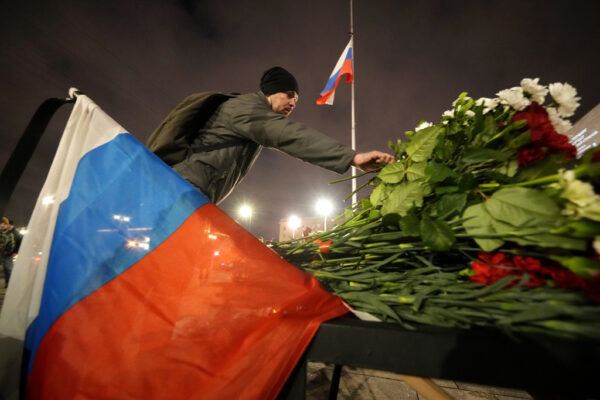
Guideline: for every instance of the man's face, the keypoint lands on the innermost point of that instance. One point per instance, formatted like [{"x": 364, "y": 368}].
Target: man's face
[{"x": 283, "y": 102}]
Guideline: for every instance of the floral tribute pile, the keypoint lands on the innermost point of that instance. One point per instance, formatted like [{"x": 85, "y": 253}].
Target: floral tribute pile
[{"x": 488, "y": 218}]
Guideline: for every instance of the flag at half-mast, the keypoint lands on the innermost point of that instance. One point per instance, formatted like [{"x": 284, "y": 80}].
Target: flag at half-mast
[{"x": 343, "y": 67}]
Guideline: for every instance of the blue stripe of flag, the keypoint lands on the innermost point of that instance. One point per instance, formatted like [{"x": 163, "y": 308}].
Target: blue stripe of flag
[
  {"x": 333, "y": 79},
  {"x": 118, "y": 181}
]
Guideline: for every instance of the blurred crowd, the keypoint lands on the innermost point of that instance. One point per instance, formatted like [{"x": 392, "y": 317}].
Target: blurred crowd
[{"x": 10, "y": 240}]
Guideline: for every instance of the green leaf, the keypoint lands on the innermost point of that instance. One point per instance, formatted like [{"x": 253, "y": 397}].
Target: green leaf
[
  {"x": 348, "y": 213},
  {"x": 582, "y": 266},
  {"x": 440, "y": 190},
  {"x": 444, "y": 150},
  {"x": 509, "y": 168},
  {"x": 488, "y": 131},
  {"x": 476, "y": 156},
  {"x": 556, "y": 241},
  {"x": 365, "y": 204},
  {"x": 374, "y": 214},
  {"x": 531, "y": 236},
  {"x": 477, "y": 221},
  {"x": 391, "y": 220},
  {"x": 466, "y": 182},
  {"x": 398, "y": 148},
  {"x": 523, "y": 207},
  {"x": 423, "y": 142},
  {"x": 438, "y": 172},
  {"x": 436, "y": 234},
  {"x": 416, "y": 171},
  {"x": 522, "y": 236},
  {"x": 392, "y": 173},
  {"x": 520, "y": 141},
  {"x": 451, "y": 203},
  {"x": 378, "y": 194},
  {"x": 403, "y": 197},
  {"x": 410, "y": 225},
  {"x": 540, "y": 168},
  {"x": 580, "y": 228}
]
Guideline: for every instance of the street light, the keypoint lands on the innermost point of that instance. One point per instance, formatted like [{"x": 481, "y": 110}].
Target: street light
[
  {"x": 324, "y": 208},
  {"x": 294, "y": 223},
  {"x": 245, "y": 212}
]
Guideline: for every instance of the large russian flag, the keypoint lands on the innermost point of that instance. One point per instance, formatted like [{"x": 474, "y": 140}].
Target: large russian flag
[
  {"x": 343, "y": 67},
  {"x": 130, "y": 284}
]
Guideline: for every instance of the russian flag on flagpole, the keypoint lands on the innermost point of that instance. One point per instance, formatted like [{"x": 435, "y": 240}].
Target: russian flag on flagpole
[
  {"x": 343, "y": 67},
  {"x": 130, "y": 284}
]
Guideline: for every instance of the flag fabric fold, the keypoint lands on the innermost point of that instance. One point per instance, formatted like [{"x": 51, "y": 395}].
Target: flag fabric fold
[
  {"x": 343, "y": 67},
  {"x": 130, "y": 284}
]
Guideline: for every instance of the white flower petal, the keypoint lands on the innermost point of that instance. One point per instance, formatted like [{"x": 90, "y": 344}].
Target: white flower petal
[
  {"x": 561, "y": 125},
  {"x": 536, "y": 91},
  {"x": 487, "y": 103},
  {"x": 596, "y": 244},
  {"x": 423, "y": 125},
  {"x": 566, "y": 97},
  {"x": 514, "y": 97}
]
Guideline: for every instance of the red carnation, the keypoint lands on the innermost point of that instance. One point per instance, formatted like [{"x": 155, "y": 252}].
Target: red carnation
[
  {"x": 492, "y": 266},
  {"x": 537, "y": 120},
  {"x": 564, "y": 278},
  {"x": 544, "y": 138},
  {"x": 529, "y": 155}
]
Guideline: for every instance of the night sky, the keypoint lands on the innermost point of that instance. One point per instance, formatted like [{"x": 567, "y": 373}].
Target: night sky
[{"x": 138, "y": 59}]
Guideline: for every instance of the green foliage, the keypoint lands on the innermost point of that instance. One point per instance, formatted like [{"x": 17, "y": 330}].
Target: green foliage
[
  {"x": 423, "y": 143},
  {"x": 436, "y": 234},
  {"x": 392, "y": 173},
  {"x": 438, "y": 172},
  {"x": 404, "y": 253},
  {"x": 451, "y": 204},
  {"x": 478, "y": 224},
  {"x": 403, "y": 197}
]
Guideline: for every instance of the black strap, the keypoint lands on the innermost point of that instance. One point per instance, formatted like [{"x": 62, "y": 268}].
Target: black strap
[{"x": 25, "y": 147}]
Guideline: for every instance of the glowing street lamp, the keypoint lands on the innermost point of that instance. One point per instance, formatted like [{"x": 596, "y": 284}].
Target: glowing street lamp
[
  {"x": 245, "y": 212},
  {"x": 294, "y": 223},
  {"x": 324, "y": 208}
]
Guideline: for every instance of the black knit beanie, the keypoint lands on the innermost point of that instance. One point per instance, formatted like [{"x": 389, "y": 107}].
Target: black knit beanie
[{"x": 277, "y": 79}]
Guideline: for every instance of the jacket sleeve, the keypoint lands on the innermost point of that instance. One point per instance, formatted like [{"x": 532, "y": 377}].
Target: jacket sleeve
[{"x": 274, "y": 130}]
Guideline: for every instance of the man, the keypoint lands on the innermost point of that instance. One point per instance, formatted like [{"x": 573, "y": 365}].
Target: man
[
  {"x": 231, "y": 140},
  {"x": 8, "y": 246}
]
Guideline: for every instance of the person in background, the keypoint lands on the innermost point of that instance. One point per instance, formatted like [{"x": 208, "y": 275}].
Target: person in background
[{"x": 9, "y": 238}]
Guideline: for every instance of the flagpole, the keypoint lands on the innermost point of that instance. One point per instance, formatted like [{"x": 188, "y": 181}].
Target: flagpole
[{"x": 353, "y": 121}]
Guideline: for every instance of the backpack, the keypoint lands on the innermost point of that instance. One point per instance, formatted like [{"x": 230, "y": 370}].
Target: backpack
[{"x": 172, "y": 139}]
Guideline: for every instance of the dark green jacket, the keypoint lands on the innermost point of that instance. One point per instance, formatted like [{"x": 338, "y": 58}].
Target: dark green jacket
[{"x": 231, "y": 140}]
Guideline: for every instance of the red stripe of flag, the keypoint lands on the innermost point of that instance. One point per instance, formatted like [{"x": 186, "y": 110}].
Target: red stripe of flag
[{"x": 211, "y": 313}]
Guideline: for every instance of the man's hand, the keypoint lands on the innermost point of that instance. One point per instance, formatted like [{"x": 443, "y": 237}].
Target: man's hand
[{"x": 372, "y": 160}]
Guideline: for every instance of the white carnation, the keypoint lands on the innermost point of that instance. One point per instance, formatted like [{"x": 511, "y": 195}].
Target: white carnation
[
  {"x": 448, "y": 113},
  {"x": 487, "y": 103},
  {"x": 535, "y": 91},
  {"x": 561, "y": 125},
  {"x": 423, "y": 125},
  {"x": 566, "y": 97},
  {"x": 470, "y": 113},
  {"x": 514, "y": 97}
]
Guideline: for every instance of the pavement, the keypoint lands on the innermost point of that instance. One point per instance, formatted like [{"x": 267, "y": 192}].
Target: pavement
[{"x": 368, "y": 384}]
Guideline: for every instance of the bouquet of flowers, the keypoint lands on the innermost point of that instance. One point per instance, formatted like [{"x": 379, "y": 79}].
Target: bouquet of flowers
[{"x": 488, "y": 218}]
